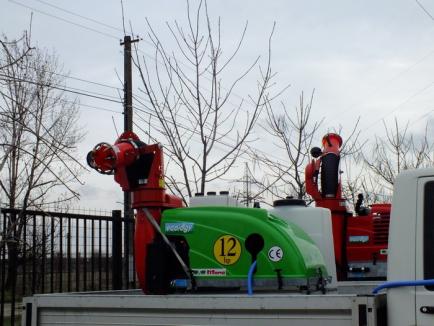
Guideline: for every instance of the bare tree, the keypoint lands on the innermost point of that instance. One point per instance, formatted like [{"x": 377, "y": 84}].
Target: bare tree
[
  {"x": 12, "y": 59},
  {"x": 38, "y": 132},
  {"x": 351, "y": 145},
  {"x": 204, "y": 125},
  {"x": 293, "y": 132},
  {"x": 15, "y": 57},
  {"x": 399, "y": 150},
  {"x": 358, "y": 179}
]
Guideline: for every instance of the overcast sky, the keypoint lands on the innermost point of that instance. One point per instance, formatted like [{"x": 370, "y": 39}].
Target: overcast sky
[{"x": 373, "y": 59}]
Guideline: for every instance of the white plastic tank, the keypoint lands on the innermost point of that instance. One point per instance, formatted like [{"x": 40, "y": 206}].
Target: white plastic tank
[{"x": 316, "y": 222}]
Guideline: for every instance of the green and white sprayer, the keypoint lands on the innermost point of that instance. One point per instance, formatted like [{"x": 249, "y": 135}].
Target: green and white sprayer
[{"x": 205, "y": 248}]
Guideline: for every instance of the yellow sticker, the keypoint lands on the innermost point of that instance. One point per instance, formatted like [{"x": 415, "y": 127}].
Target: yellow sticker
[{"x": 227, "y": 250}]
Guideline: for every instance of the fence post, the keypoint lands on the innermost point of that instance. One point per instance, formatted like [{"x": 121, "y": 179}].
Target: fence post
[{"x": 117, "y": 250}]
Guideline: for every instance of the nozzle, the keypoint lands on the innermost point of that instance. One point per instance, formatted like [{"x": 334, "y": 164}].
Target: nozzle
[
  {"x": 332, "y": 142},
  {"x": 102, "y": 158},
  {"x": 316, "y": 152}
]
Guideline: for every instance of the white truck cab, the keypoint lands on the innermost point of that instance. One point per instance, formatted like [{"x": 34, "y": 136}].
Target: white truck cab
[{"x": 411, "y": 249}]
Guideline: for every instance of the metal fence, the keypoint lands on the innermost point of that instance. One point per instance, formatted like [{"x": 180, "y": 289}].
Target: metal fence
[{"x": 48, "y": 252}]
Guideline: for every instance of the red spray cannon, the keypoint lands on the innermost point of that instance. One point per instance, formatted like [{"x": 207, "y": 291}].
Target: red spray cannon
[
  {"x": 360, "y": 240},
  {"x": 325, "y": 166},
  {"x": 138, "y": 168},
  {"x": 326, "y": 160}
]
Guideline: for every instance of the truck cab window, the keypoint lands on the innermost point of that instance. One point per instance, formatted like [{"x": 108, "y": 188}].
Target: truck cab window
[{"x": 428, "y": 233}]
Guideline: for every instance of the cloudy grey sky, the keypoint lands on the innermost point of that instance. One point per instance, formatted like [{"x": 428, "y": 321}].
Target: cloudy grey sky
[{"x": 368, "y": 58}]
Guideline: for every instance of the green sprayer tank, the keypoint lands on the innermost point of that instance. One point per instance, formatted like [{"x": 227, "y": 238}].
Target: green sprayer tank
[{"x": 223, "y": 243}]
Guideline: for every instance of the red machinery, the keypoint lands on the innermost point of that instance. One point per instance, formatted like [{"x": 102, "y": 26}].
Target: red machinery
[
  {"x": 137, "y": 168},
  {"x": 361, "y": 241}
]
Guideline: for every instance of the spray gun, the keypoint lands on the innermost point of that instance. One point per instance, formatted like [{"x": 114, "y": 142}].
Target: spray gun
[
  {"x": 138, "y": 168},
  {"x": 324, "y": 167},
  {"x": 326, "y": 161}
]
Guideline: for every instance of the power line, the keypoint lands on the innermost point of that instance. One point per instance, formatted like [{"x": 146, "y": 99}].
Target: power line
[
  {"x": 117, "y": 29},
  {"x": 78, "y": 92},
  {"x": 91, "y": 106},
  {"x": 421, "y": 117},
  {"x": 86, "y": 105},
  {"x": 80, "y": 105},
  {"x": 398, "y": 76},
  {"x": 387, "y": 82},
  {"x": 65, "y": 20},
  {"x": 81, "y": 92},
  {"x": 105, "y": 34},
  {"x": 396, "y": 108},
  {"x": 149, "y": 110},
  {"x": 68, "y": 76},
  {"x": 160, "y": 63},
  {"x": 78, "y": 89},
  {"x": 400, "y": 105},
  {"x": 426, "y": 11},
  {"x": 94, "y": 93},
  {"x": 81, "y": 16},
  {"x": 432, "y": 18}
]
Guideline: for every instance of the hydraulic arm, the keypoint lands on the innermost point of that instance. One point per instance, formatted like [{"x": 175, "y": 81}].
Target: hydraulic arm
[{"x": 138, "y": 168}]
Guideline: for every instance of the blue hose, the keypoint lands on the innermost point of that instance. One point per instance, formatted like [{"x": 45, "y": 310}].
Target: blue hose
[
  {"x": 250, "y": 278},
  {"x": 397, "y": 284}
]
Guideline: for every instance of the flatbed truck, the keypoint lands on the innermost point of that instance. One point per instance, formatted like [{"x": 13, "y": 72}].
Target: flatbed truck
[{"x": 407, "y": 298}]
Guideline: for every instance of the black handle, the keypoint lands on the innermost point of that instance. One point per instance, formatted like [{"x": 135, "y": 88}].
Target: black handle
[{"x": 427, "y": 310}]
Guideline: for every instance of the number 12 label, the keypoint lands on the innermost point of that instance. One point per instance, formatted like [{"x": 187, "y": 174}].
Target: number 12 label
[{"x": 227, "y": 250}]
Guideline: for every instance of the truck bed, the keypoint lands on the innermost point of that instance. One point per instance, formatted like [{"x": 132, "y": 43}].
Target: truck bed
[{"x": 134, "y": 308}]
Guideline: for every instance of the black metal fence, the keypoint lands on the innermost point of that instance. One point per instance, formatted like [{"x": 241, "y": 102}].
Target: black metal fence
[{"x": 48, "y": 252}]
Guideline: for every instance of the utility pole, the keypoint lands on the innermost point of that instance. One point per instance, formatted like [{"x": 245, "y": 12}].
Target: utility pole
[
  {"x": 128, "y": 84},
  {"x": 128, "y": 126}
]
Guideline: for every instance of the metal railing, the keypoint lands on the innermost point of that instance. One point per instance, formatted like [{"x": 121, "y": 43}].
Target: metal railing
[{"x": 48, "y": 252}]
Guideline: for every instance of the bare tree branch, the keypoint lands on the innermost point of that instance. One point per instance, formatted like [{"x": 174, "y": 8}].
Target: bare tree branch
[
  {"x": 397, "y": 151},
  {"x": 193, "y": 109},
  {"x": 38, "y": 136}
]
